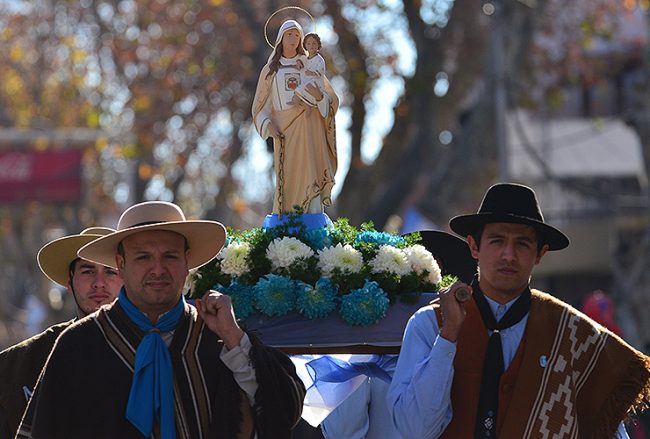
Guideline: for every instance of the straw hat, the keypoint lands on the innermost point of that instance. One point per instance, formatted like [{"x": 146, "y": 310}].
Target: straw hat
[
  {"x": 55, "y": 257},
  {"x": 510, "y": 203},
  {"x": 204, "y": 238}
]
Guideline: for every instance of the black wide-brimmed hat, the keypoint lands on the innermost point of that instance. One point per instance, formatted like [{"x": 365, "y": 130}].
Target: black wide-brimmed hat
[
  {"x": 510, "y": 203},
  {"x": 451, "y": 252}
]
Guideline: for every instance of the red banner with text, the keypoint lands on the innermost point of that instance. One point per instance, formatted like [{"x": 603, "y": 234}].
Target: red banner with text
[{"x": 48, "y": 176}]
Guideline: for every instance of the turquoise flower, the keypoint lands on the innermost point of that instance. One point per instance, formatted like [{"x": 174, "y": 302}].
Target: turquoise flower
[
  {"x": 378, "y": 238},
  {"x": 317, "y": 239},
  {"x": 241, "y": 296},
  {"x": 317, "y": 301},
  {"x": 275, "y": 295},
  {"x": 364, "y": 306}
]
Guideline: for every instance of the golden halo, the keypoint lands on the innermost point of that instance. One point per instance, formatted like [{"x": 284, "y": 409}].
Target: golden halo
[{"x": 266, "y": 36}]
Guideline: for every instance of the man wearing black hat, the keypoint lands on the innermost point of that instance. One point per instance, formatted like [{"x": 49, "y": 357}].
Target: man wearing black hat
[
  {"x": 365, "y": 414},
  {"x": 512, "y": 362}
]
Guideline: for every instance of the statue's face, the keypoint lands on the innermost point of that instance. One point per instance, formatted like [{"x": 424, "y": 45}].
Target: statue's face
[
  {"x": 290, "y": 42},
  {"x": 311, "y": 44}
]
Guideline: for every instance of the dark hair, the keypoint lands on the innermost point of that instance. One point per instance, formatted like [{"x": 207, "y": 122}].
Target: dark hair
[
  {"x": 479, "y": 232},
  {"x": 274, "y": 63},
  {"x": 315, "y": 36},
  {"x": 73, "y": 266}
]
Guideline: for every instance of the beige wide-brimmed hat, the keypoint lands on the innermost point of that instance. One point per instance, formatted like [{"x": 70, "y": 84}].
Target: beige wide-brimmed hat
[
  {"x": 204, "y": 238},
  {"x": 55, "y": 257}
]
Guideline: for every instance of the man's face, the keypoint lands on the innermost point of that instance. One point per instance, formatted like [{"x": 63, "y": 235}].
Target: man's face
[
  {"x": 506, "y": 257},
  {"x": 154, "y": 268},
  {"x": 93, "y": 285}
]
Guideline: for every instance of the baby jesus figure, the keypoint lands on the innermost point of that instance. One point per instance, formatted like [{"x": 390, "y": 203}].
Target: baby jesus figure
[{"x": 313, "y": 65}]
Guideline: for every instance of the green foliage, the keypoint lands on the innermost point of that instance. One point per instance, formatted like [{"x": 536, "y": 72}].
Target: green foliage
[
  {"x": 447, "y": 280},
  {"x": 364, "y": 240},
  {"x": 207, "y": 277},
  {"x": 412, "y": 239},
  {"x": 341, "y": 232}
]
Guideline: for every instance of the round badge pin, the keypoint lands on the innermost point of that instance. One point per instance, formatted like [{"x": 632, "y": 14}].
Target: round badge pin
[{"x": 543, "y": 361}]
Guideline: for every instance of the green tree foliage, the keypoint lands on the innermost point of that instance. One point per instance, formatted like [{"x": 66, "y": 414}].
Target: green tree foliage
[{"x": 170, "y": 82}]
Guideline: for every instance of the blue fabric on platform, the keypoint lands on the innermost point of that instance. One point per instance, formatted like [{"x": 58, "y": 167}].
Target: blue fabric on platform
[
  {"x": 152, "y": 391},
  {"x": 295, "y": 330},
  {"x": 310, "y": 220},
  {"x": 333, "y": 370}
]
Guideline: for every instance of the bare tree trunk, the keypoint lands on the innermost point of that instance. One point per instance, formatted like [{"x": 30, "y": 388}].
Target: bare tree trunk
[
  {"x": 359, "y": 84},
  {"x": 465, "y": 170},
  {"x": 378, "y": 189}
]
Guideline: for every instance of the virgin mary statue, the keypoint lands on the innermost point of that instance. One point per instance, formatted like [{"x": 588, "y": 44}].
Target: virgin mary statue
[{"x": 304, "y": 144}]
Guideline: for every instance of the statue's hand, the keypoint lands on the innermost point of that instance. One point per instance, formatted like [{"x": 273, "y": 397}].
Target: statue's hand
[
  {"x": 295, "y": 100},
  {"x": 314, "y": 91},
  {"x": 273, "y": 130}
]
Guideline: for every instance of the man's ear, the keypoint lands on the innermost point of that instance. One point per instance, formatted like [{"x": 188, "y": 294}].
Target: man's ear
[
  {"x": 68, "y": 285},
  {"x": 473, "y": 246},
  {"x": 119, "y": 261},
  {"x": 541, "y": 253}
]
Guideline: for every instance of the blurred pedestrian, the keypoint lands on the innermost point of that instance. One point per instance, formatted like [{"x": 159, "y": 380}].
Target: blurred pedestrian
[{"x": 600, "y": 308}]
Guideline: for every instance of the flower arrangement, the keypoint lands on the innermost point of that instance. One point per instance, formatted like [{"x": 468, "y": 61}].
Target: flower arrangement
[{"x": 314, "y": 272}]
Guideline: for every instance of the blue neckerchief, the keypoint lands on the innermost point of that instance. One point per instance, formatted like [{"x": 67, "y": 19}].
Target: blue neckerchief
[
  {"x": 152, "y": 390},
  {"x": 327, "y": 369}
]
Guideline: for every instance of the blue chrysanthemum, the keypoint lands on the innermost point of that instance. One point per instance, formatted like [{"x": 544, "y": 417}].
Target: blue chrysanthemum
[
  {"x": 364, "y": 306},
  {"x": 317, "y": 301},
  {"x": 317, "y": 239},
  {"x": 241, "y": 296},
  {"x": 378, "y": 238},
  {"x": 275, "y": 295}
]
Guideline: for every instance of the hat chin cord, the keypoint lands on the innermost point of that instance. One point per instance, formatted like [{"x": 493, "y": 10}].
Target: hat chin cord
[{"x": 80, "y": 312}]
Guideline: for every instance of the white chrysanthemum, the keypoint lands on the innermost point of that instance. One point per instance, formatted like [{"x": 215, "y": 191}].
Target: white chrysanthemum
[
  {"x": 283, "y": 252},
  {"x": 234, "y": 258},
  {"x": 346, "y": 258},
  {"x": 421, "y": 259},
  {"x": 390, "y": 259}
]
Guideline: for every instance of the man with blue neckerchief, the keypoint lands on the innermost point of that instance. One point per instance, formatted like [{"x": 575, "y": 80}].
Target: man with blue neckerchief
[{"x": 171, "y": 370}]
